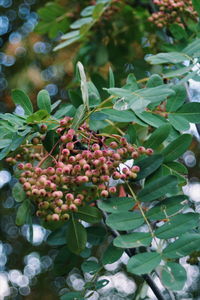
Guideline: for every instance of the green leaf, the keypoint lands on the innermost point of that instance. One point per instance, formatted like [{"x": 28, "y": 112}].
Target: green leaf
[
  {"x": 173, "y": 276},
  {"x": 98, "y": 10},
  {"x": 18, "y": 192},
  {"x": 196, "y": 6},
  {"x": 133, "y": 240},
  {"x": 111, "y": 78},
  {"x": 151, "y": 119},
  {"x": 149, "y": 165},
  {"x": 84, "y": 86},
  {"x": 20, "y": 98},
  {"x": 190, "y": 111},
  {"x": 96, "y": 235},
  {"x": 44, "y": 101},
  {"x": 158, "y": 188},
  {"x": 94, "y": 96},
  {"x": 116, "y": 204},
  {"x": 174, "y": 102},
  {"x": 67, "y": 43},
  {"x": 193, "y": 48},
  {"x": 80, "y": 22},
  {"x": 185, "y": 245},
  {"x": 131, "y": 134},
  {"x": 5, "y": 143},
  {"x": 89, "y": 214},
  {"x": 167, "y": 207},
  {"x": 70, "y": 35},
  {"x": 72, "y": 296},
  {"x": 177, "y": 225},
  {"x": 158, "y": 136},
  {"x": 143, "y": 263},
  {"x": 124, "y": 220},
  {"x": 164, "y": 58},
  {"x": 154, "y": 80},
  {"x": 178, "y": 122},
  {"x": 38, "y": 116},
  {"x": 77, "y": 236},
  {"x": 111, "y": 255},
  {"x": 178, "y": 32},
  {"x": 65, "y": 110},
  {"x": 23, "y": 213},
  {"x": 65, "y": 261},
  {"x": 90, "y": 266},
  {"x": 177, "y": 72},
  {"x": 58, "y": 237},
  {"x": 177, "y": 148},
  {"x": 139, "y": 99},
  {"x": 87, "y": 11},
  {"x": 80, "y": 113},
  {"x": 177, "y": 169},
  {"x": 131, "y": 83},
  {"x": 50, "y": 140}
]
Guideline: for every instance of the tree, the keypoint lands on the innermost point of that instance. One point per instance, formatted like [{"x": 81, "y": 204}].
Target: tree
[{"x": 110, "y": 158}]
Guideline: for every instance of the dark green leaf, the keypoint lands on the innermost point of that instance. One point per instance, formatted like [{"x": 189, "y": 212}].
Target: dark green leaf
[
  {"x": 38, "y": 116},
  {"x": 58, "y": 237},
  {"x": 196, "y": 6},
  {"x": 72, "y": 296},
  {"x": 80, "y": 113},
  {"x": 177, "y": 225},
  {"x": 125, "y": 220},
  {"x": 44, "y": 101},
  {"x": 89, "y": 214},
  {"x": 163, "y": 58},
  {"x": 111, "y": 78},
  {"x": 177, "y": 148},
  {"x": 178, "y": 122},
  {"x": 111, "y": 255},
  {"x": 77, "y": 236},
  {"x": 50, "y": 140},
  {"x": 133, "y": 240},
  {"x": 167, "y": 207},
  {"x": 116, "y": 204},
  {"x": 173, "y": 276},
  {"x": 23, "y": 213},
  {"x": 65, "y": 110},
  {"x": 185, "y": 245},
  {"x": 90, "y": 266},
  {"x": 152, "y": 119},
  {"x": 190, "y": 111},
  {"x": 149, "y": 165},
  {"x": 143, "y": 263},
  {"x": 158, "y": 136},
  {"x": 178, "y": 32},
  {"x": 154, "y": 80},
  {"x": 174, "y": 102},
  {"x": 96, "y": 235},
  {"x": 18, "y": 192},
  {"x": 20, "y": 98},
  {"x": 158, "y": 188},
  {"x": 65, "y": 261}
]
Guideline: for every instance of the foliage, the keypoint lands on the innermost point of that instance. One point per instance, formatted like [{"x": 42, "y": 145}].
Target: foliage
[{"x": 138, "y": 208}]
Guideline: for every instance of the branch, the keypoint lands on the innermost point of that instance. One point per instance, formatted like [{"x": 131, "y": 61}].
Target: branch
[{"x": 146, "y": 277}]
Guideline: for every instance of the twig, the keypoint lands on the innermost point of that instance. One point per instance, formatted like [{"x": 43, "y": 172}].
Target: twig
[{"x": 146, "y": 277}]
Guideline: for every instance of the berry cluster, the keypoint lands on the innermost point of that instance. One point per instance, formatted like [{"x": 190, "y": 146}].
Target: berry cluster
[
  {"x": 79, "y": 172},
  {"x": 172, "y": 11}
]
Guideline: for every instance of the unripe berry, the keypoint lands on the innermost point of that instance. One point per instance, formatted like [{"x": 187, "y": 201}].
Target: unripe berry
[
  {"x": 70, "y": 146},
  {"x": 55, "y": 217},
  {"x": 113, "y": 145},
  {"x": 116, "y": 175},
  {"x": 77, "y": 201},
  {"x": 27, "y": 186},
  {"x": 57, "y": 194},
  {"x": 50, "y": 171},
  {"x": 57, "y": 210},
  {"x": 20, "y": 166},
  {"x": 69, "y": 197},
  {"x": 101, "y": 186},
  {"x": 112, "y": 190},
  {"x": 38, "y": 171},
  {"x": 86, "y": 167},
  {"x": 116, "y": 156},
  {"x": 95, "y": 147},
  {"x": 73, "y": 207},
  {"x": 59, "y": 202},
  {"x": 64, "y": 207},
  {"x": 104, "y": 193},
  {"x": 71, "y": 131},
  {"x": 42, "y": 192},
  {"x": 80, "y": 196},
  {"x": 35, "y": 192},
  {"x": 71, "y": 159},
  {"x": 48, "y": 218},
  {"x": 135, "y": 169},
  {"x": 134, "y": 154},
  {"x": 66, "y": 152},
  {"x": 105, "y": 178},
  {"x": 43, "y": 128},
  {"x": 149, "y": 151},
  {"x": 65, "y": 217}
]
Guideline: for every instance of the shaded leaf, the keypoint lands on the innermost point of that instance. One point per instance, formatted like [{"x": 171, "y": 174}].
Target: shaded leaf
[
  {"x": 77, "y": 236},
  {"x": 44, "y": 101},
  {"x": 143, "y": 263},
  {"x": 125, "y": 220},
  {"x": 116, "y": 204},
  {"x": 133, "y": 240},
  {"x": 20, "y": 98}
]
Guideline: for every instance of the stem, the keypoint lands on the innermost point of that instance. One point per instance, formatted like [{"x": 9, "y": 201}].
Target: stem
[
  {"x": 142, "y": 212},
  {"x": 146, "y": 277},
  {"x": 118, "y": 129}
]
